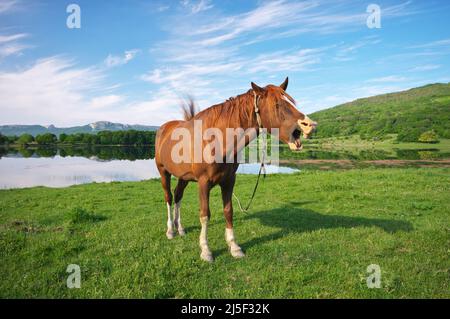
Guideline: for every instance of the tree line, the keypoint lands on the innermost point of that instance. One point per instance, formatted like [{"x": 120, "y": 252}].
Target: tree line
[{"x": 131, "y": 137}]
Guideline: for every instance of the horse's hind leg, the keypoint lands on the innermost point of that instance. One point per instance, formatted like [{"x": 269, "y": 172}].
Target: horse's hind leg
[
  {"x": 227, "y": 193},
  {"x": 165, "y": 181},
  {"x": 179, "y": 190},
  {"x": 205, "y": 214}
]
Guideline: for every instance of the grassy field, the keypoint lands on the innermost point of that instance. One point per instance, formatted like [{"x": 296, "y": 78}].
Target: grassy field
[{"x": 308, "y": 235}]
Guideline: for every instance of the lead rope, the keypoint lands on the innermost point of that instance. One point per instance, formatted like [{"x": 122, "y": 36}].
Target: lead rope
[{"x": 262, "y": 168}]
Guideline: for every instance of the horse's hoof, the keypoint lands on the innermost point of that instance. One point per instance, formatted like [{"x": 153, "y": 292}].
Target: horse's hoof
[
  {"x": 207, "y": 257},
  {"x": 170, "y": 234},
  {"x": 237, "y": 253},
  {"x": 181, "y": 232}
]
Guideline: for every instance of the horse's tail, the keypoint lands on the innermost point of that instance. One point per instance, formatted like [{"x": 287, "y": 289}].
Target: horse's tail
[{"x": 189, "y": 109}]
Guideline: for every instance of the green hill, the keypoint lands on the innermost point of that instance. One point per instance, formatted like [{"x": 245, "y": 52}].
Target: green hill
[{"x": 408, "y": 114}]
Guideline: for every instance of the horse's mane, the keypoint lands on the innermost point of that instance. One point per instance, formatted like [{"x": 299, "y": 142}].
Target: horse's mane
[
  {"x": 189, "y": 109},
  {"x": 234, "y": 110}
]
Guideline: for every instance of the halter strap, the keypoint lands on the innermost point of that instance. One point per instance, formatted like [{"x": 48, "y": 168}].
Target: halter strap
[
  {"x": 258, "y": 116},
  {"x": 262, "y": 168}
]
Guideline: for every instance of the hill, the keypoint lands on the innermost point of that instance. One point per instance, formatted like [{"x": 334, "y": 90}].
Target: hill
[
  {"x": 95, "y": 127},
  {"x": 408, "y": 114}
]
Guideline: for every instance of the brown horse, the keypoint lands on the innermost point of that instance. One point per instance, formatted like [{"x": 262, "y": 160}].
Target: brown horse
[{"x": 269, "y": 107}]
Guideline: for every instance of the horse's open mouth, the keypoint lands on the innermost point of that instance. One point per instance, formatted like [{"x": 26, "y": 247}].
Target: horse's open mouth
[{"x": 295, "y": 143}]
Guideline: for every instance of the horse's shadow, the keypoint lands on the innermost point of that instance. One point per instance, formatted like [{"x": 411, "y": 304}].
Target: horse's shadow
[{"x": 295, "y": 219}]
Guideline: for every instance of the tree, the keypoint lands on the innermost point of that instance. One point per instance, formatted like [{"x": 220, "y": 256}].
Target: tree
[
  {"x": 47, "y": 138},
  {"x": 429, "y": 137},
  {"x": 25, "y": 139},
  {"x": 62, "y": 137},
  {"x": 3, "y": 139}
]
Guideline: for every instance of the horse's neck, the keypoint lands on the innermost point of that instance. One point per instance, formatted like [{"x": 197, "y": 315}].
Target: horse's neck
[{"x": 244, "y": 119}]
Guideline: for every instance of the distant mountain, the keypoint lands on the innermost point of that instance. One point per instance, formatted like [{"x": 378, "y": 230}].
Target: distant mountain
[
  {"x": 89, "y": 128},
  {"x": 407, "y": 113}
]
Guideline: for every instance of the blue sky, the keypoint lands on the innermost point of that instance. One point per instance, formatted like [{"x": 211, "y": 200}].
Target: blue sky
[{"x": 131, "y": 61}]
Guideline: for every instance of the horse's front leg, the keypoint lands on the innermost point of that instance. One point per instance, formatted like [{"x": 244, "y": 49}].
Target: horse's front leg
[
  {"x": 227, "y": 193},
  {"x": 205, "y": 214}
]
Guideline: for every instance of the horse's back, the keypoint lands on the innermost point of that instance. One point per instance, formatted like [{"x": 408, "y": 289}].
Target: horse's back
[{"x": 163, "y": 135}]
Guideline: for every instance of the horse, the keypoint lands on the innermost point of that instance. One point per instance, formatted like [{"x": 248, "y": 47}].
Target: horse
[{"x": 269, "y": 108}]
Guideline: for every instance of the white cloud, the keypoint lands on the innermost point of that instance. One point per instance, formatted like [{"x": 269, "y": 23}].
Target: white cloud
[
  {"x": 55, "y": 91},
  {"x": 292, "y": 61},
  {"x": 115, "y": 60},
  {"x": 348, "y": 52},
  {"x": 13, "y": 37},
  {"x": 51, "y": 90},
  {"x": 162, "y": 8},
  {"x": 432, "y": 44},
  {"x": 7, "y": 5},
  {"x": 12, "y": 49},
  {"x": 106, "y": 101},
  {"x": 197, "y": 6},
  {"x": 390, "y": 78},
  {"x": 300, "y": 17},
  {"x": 426, "y": 67},
  {"x": 9, "y": 45}
]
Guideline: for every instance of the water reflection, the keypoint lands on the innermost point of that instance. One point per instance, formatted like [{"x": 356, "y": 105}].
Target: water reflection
[
  {"x": 64, "y": 166},
  {"x": 61, "y": 167},
  {"x": 147, "y": 152},
  {"x": 101, "y": 152},
  {"x": 60, "y": 172}
]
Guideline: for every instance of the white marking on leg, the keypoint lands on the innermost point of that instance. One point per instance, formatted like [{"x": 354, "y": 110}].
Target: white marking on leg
[
  {"x": 170, "y": 234},
  {"x": 235, "y": 250},
  {"x": 206, "y": 253},
  {"x": 177, "y": 219}
]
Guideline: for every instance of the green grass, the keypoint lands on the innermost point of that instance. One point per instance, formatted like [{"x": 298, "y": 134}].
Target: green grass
[{"x": 308, "y": 235}]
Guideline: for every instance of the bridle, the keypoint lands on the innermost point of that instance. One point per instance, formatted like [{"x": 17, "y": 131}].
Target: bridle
[
  {"x": 258, "y": 116},
  {"x": 262, "y": 168}
]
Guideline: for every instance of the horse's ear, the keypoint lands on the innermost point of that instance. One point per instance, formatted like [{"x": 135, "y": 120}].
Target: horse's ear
[
  {"x": 257, "y": 88},
  {"x": 284, "y": 85}
]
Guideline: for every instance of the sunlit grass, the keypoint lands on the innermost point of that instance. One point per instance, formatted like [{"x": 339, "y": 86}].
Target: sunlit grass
[{"x": 308, "y": 235}]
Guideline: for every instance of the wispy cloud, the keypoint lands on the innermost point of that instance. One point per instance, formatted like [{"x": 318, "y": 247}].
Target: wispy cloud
[
  {"x": 307, "y": 16},
  {"x": 12, "y": 37},
  {"x": 115, "y": 60},
  {"x": 55, "y": 91},
  {"x": 426, "y": 67},
  {"x": 197, "y": 6},
  {"x": 48, "y": 91},
  {"x": 10, "y": 45},
  {"x": 162, "y": 8},
  {"x": 7, "y": 5},
  {"x": 386, "y": 79},
  {"x": 100, "y": 102},
  {"x": 348, "y": 52},
  {"x": 432, "y": 44}
]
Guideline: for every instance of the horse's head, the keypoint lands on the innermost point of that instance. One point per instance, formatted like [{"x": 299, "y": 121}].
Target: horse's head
[{"x": 278, "y": 110}]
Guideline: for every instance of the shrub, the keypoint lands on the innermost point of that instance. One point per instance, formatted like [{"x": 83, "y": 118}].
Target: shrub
[
  {"x": 47, "y": 138},
  {"x": 25, "y": 139},
  {"x": 429, "y": 137}
]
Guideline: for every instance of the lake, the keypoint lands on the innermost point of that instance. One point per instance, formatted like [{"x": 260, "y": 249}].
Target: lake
[
  {"x": 65, "y": 166},
  {"x": 71, "y": 166}
]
